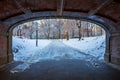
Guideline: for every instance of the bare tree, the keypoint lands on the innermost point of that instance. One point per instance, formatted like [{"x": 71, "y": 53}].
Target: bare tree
[{"x": 79, "y": 28}]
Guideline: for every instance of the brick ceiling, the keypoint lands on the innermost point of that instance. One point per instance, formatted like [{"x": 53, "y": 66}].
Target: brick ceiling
[{"x": 9, "y": 8}]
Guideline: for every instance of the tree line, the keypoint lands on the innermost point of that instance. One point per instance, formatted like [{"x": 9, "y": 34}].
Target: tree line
[{"x": 57, "y": 29}]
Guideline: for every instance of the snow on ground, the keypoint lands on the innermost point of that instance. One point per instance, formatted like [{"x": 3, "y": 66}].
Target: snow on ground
[
  {"x": 25, "y": 47},
  {"x": 94, "y": 46},
  {"x": 25, "y": 50},
  {"x": 57, "y": 50}
]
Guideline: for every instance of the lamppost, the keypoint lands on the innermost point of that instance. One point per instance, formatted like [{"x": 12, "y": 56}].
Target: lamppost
[
  {"x": 36, "y": 26},
  {"x": 79, "y": 27}
]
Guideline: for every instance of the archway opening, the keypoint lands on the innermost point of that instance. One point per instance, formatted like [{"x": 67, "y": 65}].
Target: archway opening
[{"x": 58, "y": 39}]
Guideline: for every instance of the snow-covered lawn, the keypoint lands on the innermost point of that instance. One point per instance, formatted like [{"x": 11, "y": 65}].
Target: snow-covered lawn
[
  {"x": 25, "y": 49},
  {"x": 94, "y": 46}
]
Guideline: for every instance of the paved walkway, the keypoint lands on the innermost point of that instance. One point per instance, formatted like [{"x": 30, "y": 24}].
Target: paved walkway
[{"x": 62, "y": 70}]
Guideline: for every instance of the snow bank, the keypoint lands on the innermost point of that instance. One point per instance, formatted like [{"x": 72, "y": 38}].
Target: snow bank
[
  {"x": 23, "y": 48},
  {"x": 94, "y": 46},
  {"x": 28, "y": 43}
]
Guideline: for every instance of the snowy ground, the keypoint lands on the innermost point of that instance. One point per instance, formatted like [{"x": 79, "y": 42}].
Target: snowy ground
[
  {"x": 25, "y": 50},
  {"x": 94, "y": 46}
]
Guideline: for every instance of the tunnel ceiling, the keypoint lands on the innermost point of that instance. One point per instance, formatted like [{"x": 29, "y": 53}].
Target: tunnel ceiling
[{"x": 106, "y": 8}]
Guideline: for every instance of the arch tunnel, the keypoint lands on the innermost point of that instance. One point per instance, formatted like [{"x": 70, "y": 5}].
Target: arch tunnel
[
  {"x": 104, "y": 13},
  {"x": 70, "y": 15}
]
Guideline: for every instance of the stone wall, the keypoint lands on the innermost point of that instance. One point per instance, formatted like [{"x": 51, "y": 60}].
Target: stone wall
[
  {"x": 115, "y": 48},
  {"x": 5, "y": 56}
]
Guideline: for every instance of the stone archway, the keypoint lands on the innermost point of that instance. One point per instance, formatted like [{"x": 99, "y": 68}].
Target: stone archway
[
  {"x": 112, "y": 37},
  {"x": 111, "y": 54}
]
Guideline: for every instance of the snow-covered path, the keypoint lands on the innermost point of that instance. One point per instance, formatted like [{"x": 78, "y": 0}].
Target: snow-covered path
[
  {"x": 88, "y": 49},
  {"x": 55, "y": 50},
  {"x": 58, "y": 50}
]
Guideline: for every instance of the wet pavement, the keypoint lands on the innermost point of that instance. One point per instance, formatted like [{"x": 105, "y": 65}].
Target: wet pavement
[{"x": 65, "y": 69}]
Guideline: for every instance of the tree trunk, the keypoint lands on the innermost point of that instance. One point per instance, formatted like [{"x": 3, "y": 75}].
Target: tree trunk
[
  {"x": 59, "y": 33},
  {"x": 67, "y": 36},
  {"x": 79, "y": 34},
  {"x": 73, "y": 33}
]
